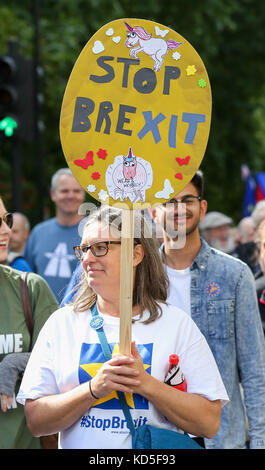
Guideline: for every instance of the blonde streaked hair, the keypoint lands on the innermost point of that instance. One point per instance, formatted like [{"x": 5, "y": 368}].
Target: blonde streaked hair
[{"x": 151, "y": 281}]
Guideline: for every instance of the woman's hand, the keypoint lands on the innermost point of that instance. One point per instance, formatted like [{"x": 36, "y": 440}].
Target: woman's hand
[
  {"x": 116, "y": 374},
  {"x": 138, "y": 365},
  {"x": 6, "y": 402}
]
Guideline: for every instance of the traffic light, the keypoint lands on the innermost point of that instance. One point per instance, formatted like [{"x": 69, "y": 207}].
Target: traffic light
[
  {"x": 16, "y": 95},
  {"x": 8, "y": 94},
  {"x": 8, "y": 125}
]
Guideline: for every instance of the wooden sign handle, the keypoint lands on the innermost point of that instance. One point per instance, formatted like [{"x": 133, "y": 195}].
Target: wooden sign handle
[{"x": 126, "y": 281}]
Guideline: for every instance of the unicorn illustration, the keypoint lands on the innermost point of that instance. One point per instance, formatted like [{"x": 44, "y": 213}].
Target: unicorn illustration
[
  {"x": 129, "y": 177},
  {"x": 129, "y": 166},
  {"x": 154, "y": 47}
]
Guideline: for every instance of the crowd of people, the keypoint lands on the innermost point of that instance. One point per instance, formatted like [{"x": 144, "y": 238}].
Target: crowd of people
[{"x": 200, "y": 285}]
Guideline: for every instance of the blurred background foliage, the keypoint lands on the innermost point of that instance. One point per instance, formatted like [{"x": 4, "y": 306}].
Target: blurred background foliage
[{"x": 228, "y": 35}]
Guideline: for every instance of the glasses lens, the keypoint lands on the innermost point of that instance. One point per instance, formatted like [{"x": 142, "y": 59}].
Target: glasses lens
[
  {"x": 8, "y": 219},
  {"x": 78, "y": 252},
  {"x": 189, "y": 200},
  {"x": 99, "y": 249}
]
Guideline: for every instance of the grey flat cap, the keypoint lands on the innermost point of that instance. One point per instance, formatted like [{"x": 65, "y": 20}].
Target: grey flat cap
[{"x": 214, "y": 219}]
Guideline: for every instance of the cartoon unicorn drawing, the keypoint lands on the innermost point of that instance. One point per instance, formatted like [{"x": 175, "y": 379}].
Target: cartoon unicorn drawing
[
  {"x": 129, "y": 177},
  {"x": 129, "y": 166},
  {"x": 154, "y": 47}
]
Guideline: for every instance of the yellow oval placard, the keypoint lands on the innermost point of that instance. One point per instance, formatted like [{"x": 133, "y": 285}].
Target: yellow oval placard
[{"x": 136, "y": 114}]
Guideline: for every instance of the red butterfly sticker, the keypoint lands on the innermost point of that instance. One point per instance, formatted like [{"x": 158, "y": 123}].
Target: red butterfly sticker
[
  {"x": 183, "y": 161},
  {"x": 85, "y": 162}
]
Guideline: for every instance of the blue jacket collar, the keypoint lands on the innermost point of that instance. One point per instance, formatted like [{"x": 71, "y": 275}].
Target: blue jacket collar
[{"x": 201, "y": 259}]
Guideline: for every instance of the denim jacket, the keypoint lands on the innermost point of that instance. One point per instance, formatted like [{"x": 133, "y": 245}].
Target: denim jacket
[{"x": 224, "y": 307}]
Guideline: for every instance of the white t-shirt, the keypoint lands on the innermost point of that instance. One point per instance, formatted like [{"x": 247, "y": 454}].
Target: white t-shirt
[
  {"x": 179, "y": 287},
  {"x": 68, "y": 353}
]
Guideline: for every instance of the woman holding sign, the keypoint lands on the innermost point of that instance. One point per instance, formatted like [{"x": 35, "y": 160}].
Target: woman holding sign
[{"x": 69, "y": 387}]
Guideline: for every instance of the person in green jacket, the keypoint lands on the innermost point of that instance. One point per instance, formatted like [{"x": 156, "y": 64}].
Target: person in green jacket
[{"x": 15, "y": 340}]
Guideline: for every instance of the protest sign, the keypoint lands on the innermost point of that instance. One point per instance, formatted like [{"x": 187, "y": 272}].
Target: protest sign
[{"x": 135, "y": 121}]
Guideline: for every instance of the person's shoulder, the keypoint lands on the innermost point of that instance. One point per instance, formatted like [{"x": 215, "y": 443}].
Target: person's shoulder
[
  {"x": 20, "y": 264},
  {"x": 58, "y": 322},
  {"x": 63, "y": 312},
  {"x": 14, "y": 276},
  {"x": 226, "y": 259},
  {"x": 227, "y": 265},
  {"x": 63, "y": 318},
  {"x": 33, "y": 280},
  {"x": 170, "y": 312},
  {"x": 180, "y": 321},
  {"x": 7, "y": 272},
  {"x": 37, "y": 284}
]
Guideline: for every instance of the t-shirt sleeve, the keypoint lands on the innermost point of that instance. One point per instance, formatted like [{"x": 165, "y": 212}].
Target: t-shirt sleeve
[
  {"x": 196, "y": 360},
  {"x": 39, "y": 379},
  {"x": 43, "y": 302},
  {"x": 201, "y": 372}
]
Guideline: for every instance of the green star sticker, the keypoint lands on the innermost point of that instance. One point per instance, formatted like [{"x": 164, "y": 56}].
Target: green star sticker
[
  {"x": 8, "y": 125},
  {"x": 202, "y": 83}
]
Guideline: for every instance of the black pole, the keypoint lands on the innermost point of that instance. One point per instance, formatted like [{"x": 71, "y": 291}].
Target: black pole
[
  {"x": 17, "y": 194},
  {"x": 17, "y": 173},
  {"x": 38, "y": 140}
]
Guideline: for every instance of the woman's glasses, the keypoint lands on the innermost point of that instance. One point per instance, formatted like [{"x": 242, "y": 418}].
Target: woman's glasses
[
  {"x": 8, "y": 219},
  {"x": 98, "y": 248}
]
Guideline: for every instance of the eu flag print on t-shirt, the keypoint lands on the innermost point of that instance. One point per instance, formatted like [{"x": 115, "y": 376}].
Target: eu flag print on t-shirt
[{"x": 91, "y": 360}]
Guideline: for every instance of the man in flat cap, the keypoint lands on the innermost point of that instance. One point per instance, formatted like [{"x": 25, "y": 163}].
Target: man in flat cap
[{"x": 216, "y": 230}]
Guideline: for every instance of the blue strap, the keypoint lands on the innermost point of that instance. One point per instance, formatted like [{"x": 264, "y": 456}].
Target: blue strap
[
  {"x": 108, "y": 355},
  {"x": 101, "y": 335}
]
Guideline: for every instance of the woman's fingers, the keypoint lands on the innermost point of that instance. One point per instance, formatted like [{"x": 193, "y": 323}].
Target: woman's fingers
[
  {"x": 121, "y": 365},
  {"x": 115, "y": 374},
  {"x": 114, "y": 383},
  {"x": 120, "y": 359},
  {"x": 6, "y": 402}
]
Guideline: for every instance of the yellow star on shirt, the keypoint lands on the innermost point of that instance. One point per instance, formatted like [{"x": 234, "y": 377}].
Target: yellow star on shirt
[
  {"x": 92, "y": 370},
  {"x": 191, "y": 70}
]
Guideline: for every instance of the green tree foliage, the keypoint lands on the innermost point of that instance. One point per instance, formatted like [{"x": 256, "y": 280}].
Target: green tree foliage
[{"x": 229, "y": 36}]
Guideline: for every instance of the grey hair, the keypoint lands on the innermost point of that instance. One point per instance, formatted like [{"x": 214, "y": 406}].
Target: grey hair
[
  {"x": 151, "y": 281},
  {"x": 56, "y": 176},
  {"x": 25, "y": 220},
  {"x": 260, "y": 207}
]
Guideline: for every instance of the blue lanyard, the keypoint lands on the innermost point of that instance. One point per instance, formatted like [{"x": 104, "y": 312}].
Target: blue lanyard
[{"x": 97, "y": 324}]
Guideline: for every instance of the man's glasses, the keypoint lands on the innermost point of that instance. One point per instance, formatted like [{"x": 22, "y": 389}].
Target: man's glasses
[
  {"x": 98, "y": 248},
  {"x": 189, "y": 200},
  {"x": 8, "y": 219}
]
